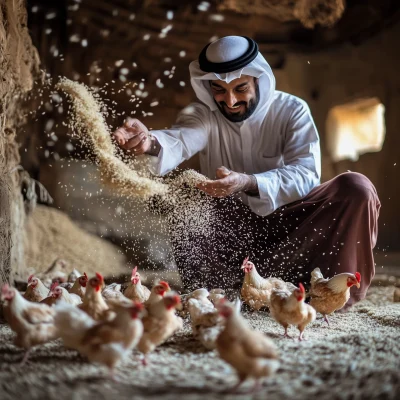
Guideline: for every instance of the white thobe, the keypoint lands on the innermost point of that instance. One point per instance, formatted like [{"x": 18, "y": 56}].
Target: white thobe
[{"x": 282, "y": 150}]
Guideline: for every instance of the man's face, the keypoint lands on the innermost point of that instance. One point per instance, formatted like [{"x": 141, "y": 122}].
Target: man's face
[{"x": 238, "y": 99}]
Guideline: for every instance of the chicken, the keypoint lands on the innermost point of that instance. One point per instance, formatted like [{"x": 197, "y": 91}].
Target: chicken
[
  {"x": 157, "y": 293},
  {"x": 36, "y": 290},
  {"x": 112, "y": 293},
  {"x": 58, "y": 293},
  {"x": 74, "y": 275},
  {"x": 206, "y": 321},
  {"x": 93, "y": 302},
  {"x": 200, "y": 294},
  {"x": 289, "y": 309},
  {"x": 32, "y": 322},
  {"x": 256, "y": 291},
  {"x": 135, "y": 290},
  {"x": 216, "y": 295},
  {"x": 79, "y": 286},
  {"x": 106, "y": 342},
  {"x": 160, "y": 323},
  {"x": 250, "y": 353},
  {"x": 329, "y": 295},
  {"x": 55, "y": 273}
]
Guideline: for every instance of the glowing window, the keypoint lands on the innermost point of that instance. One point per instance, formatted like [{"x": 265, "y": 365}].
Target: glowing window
[{"x": 355, "y": 128}]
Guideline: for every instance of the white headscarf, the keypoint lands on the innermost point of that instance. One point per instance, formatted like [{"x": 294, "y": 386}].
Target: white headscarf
[{"x": 227, "y": 49}]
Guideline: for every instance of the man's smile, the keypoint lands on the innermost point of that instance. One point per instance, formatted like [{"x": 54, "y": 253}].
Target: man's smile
[{"x": 234, "y": 109}]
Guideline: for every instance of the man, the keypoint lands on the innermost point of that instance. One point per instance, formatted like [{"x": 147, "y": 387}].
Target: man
[{"x": 260, "y": 150}]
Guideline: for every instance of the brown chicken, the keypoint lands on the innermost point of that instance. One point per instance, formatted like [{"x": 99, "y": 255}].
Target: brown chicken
[
  {"x": 106, "y": 342},
  {"x": 58, "y": 293},
  {"x": 93, "y": 302},
  {"x": 135, "y": 290},
  {"x": 36, "y": 290},
  {"x": 250, "y": 353},
  {"x": 32, "y": 322},
  {"x": 157, "y": 293},
  {"x": 79, "y": 286},
  {"x": 289, "y": 309},
  {"x": 256, "y": 290},
  {"x": 160, "y": 323},
  {"x": 329, "y": 295}
]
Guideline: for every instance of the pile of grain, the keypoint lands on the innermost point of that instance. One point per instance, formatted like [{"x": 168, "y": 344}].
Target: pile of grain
[{"x": 50, "y": 234}]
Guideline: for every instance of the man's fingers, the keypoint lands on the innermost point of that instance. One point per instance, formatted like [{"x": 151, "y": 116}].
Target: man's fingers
[
  {"x": 222, "y": 172},
  {"x": 213, "y": 189},
  {"x": 131, "y": 122},
  {"x": 134, "y": 141}
]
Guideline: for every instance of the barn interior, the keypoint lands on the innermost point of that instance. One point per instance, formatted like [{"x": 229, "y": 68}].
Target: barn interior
[{"x": 339, "y": 56}]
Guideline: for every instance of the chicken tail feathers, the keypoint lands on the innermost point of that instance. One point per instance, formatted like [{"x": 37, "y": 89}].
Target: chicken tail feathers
[{"x": 315, "y": 275}]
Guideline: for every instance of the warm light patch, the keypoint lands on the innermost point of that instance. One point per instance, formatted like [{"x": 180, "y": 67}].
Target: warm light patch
[{"x": 355, "y": 128}]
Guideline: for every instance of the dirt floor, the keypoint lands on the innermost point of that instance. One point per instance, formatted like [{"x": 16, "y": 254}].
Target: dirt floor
[{"x": 358, "y": 357}]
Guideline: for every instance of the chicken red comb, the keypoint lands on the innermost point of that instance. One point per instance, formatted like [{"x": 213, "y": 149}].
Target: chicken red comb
[
  {"x": 245, "y": 260},
  {"x": 358, "y": 277},
  {"x": 100, "y": 277},
  {"x": 164, "y": 284},
  {"x": 134, "y": 271},
  {"x": 85, "y": 275},
  {"x": 53, "y": 286},
  {"x": 30, "y": 278},
  {"x": 301, "y": 287}
]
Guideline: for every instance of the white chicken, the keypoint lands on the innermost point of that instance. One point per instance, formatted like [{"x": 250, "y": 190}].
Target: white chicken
[
  {"x": 135, "y": 290},
  {"x": 58, "y": 293},
  {"x": 112, "y": 293},
  {"x": 206, "y": 321},
  {"x": 32, "y": 322}
]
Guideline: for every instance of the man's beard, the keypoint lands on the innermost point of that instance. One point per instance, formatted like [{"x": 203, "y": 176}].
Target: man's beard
[{"x": 250, "y": 107}]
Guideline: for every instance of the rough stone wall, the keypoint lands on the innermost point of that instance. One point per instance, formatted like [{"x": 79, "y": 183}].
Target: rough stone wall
[{"x": 18, "y": 65}]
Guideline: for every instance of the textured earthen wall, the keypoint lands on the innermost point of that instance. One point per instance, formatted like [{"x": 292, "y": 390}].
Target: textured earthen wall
[{"x": 18, "y": 63}]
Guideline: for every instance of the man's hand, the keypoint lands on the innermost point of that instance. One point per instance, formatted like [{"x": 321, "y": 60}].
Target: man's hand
[
  {"x": 227, "y": 183},
  {"x": 133, "y": 136}
]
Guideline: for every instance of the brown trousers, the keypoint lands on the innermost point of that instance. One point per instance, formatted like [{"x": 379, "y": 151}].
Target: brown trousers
[{"x": 334, "y": 228}]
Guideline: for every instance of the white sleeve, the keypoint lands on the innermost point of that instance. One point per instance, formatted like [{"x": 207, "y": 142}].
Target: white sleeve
[
  {"x": 302, "y": 169},
  {"x": 186, "y": 138}
]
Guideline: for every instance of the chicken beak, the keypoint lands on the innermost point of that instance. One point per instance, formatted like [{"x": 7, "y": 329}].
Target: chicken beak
[{"x": 358, "y": 285}]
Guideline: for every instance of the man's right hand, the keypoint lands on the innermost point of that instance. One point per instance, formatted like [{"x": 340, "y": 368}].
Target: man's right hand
[{"x": 133, "y": 136}]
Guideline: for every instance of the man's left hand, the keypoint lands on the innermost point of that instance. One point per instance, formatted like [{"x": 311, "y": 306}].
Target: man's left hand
[{"x": 227, "y": 183}]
